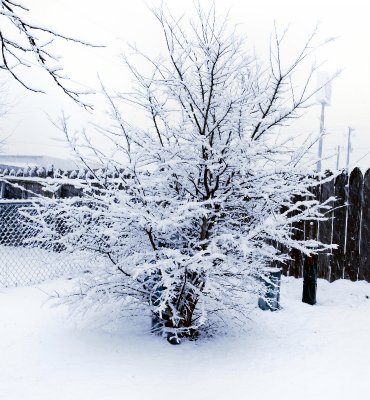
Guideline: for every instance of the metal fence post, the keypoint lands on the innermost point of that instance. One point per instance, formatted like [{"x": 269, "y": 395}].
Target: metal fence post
[{"x": 271, "y": 300}]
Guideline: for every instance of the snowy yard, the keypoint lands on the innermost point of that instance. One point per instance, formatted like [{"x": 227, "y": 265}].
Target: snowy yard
[{"x": 300, "y": 352}]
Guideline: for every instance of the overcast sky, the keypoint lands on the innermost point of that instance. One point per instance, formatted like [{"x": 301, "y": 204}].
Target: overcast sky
[{"x": 117, "y": 23}]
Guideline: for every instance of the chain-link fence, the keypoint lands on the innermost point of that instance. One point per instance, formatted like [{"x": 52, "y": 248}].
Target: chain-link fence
[{"x": 22, "y": 260}]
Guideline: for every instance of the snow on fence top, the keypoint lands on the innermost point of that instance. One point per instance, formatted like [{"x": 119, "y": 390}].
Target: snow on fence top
[
  {"x": 51, "y": 172},
  {"x": 23, "y": 183}
]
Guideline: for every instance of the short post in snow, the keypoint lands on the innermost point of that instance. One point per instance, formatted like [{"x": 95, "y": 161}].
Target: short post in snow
[{"x": 309, "y": 279}]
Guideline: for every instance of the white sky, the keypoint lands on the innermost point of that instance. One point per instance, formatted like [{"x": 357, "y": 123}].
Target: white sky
[{"x": 117, "y": 23}]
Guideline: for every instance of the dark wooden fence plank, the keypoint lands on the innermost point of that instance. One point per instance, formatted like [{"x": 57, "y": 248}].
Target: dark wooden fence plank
[
  {"x": 352, "y": 253},
  {"x": 364, "y": 269},
  {"x": 339, "y": 226},
  {"x": 296, "y": 265},
  {"x": 285, "y": 267},
  {"x": 325, "y": 231},
  {"x": 310, "y": 227}
]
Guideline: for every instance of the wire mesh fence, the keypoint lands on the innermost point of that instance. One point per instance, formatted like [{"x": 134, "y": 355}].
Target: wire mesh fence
[{"x": 22, "y": 260}]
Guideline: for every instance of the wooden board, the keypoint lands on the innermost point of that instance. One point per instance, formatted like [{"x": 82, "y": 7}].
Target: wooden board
[
  {"x": 325, "y": 231},
  {"x": 352, "y": 253},
  {"x": 364, "y": 268},
  {"x": 339, "y": 225}
]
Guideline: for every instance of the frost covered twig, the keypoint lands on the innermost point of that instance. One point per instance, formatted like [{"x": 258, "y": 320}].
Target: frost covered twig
[{"x": 22, "y": 44}]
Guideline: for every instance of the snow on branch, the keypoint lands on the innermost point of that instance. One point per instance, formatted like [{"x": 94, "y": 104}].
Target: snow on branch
[{"x": 21, "y": 45}]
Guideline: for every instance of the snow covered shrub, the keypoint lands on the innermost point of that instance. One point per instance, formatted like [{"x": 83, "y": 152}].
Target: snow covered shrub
[{"x": 184, "y": 214}]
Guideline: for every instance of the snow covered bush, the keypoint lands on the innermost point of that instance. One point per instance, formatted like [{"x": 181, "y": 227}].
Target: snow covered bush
[{"x": 183, "y": 216}]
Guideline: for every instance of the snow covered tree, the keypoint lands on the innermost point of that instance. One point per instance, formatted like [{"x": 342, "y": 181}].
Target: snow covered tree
[
  {"x": 24, "y": 42},
  {"x": 182, "y": 216}
]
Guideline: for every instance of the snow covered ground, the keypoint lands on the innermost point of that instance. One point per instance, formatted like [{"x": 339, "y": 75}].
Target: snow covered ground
[{"x": 300, "y": 352}]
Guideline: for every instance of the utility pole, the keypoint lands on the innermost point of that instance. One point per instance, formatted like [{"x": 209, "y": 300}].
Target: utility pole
[
  {"x": 349, "y": 147},
  {"x": 323, "y": 97},
  {"x": 338, "y": 157},
  {"x": 322, "y": 128}
]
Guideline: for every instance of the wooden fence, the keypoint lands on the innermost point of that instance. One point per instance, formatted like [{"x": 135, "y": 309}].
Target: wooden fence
[{"x": 348, "y": 226}]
